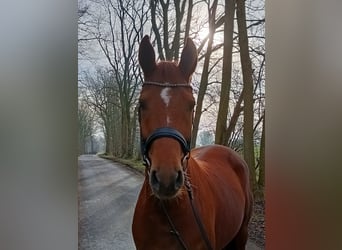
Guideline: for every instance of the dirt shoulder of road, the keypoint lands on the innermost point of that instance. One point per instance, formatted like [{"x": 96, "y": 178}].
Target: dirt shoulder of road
[{"x": 131, "y": 163}]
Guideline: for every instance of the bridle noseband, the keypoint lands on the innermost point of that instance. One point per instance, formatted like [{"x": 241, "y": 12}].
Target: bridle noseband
[{"x": 162, "y": 133}]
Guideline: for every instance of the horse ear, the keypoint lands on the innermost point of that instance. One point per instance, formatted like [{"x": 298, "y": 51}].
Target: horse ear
[
  {"x": 147, "y": 58},
  {"x": 188, "y": 59}
]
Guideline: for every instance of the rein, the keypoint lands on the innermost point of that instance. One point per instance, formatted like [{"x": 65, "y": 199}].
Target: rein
[
  {"x": 185, "y": 144},
  {"x": 195, "y": 212}
]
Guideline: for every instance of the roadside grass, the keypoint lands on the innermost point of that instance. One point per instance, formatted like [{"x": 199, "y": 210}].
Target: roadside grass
[{"x": 131, "y": 163}]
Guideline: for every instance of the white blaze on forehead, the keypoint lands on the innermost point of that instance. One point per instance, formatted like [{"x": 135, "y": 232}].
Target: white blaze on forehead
[{"x": 165, "y": 95}]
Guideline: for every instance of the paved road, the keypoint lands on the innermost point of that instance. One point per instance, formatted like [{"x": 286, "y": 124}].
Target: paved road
[{"x": 107, "y": 195}]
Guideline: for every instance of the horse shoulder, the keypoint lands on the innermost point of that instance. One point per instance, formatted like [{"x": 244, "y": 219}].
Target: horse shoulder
[{"x": 222, "y": 176}]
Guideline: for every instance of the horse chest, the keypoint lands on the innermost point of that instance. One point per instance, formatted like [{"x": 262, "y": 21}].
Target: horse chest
[
  {"x": 158, "y": 235},
  {"x": 153, "y": 230}
]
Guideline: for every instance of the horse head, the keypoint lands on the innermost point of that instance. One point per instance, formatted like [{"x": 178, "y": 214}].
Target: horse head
[{"x": 165, "y": 113}]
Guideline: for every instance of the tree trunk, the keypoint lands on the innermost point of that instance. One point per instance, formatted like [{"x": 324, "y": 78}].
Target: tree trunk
[
  {"x": 248, "y": 136},
  {"x": 129, "y": 152},
  {"x": 221, "y": 123},
  {"x": 188, "y": 19},
  {"x": 124, "y": 134},
  {"x": 165, "y": 7},
  {"x": 233, "y": 120},
  {"x": 176, "y": 38},
  {"x": 109, "y": 138},
  {"x": 155, "y": 29},
  {"x": 261, "y": 180},
  {"x": 116, "y": 130},
  {"x": 134, "y": 123},
  {"x": 205, "y": 74}
]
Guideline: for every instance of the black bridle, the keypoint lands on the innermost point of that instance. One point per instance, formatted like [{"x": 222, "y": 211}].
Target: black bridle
[
  {"x": 162, "y": 133},
  {"x": 145, "y": 144}
]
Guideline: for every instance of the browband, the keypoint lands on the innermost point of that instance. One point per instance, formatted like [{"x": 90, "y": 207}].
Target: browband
[{"x": 167, "y": 84}]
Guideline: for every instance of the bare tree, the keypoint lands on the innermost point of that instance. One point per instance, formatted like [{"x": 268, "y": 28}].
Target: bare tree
[
  {"x": 261, "y": 179},
  {"x": 167, "y": 18},
  {"x": 205, "y": 73},
  {"x": 188, "y": 19},
  {"x": 85, "y": 126},
  {"x": 248, "y": 135},
  {"x": 221, "y": 124},
  {"x": 100, "y": 93},
  {"x": 118, "y": 32}
]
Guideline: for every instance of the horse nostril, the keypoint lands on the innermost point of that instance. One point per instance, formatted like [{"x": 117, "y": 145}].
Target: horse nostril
[
  {"x": 179, "y": 180},
  {"x": 154, "y": 180}
]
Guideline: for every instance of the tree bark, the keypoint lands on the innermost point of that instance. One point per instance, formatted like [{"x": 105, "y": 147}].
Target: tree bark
[
  {"x": 155, "y": 29},
  {"x": 188, "y": 19},
  {"x": 221, "y": 123},
  {"x": 261, "y": 180},
  {"x": 248, "y": 118},
  {"x": 176, "y": 38},
  {"x": 233, "y": 120},
  {"x": 165, "y": 6}
]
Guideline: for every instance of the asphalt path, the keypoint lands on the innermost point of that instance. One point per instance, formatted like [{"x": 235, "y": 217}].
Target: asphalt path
[{"x": 107, "y": 196}]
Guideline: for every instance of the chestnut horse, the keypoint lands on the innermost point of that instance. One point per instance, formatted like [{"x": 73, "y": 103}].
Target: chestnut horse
[{"x": 198, "y": 199}]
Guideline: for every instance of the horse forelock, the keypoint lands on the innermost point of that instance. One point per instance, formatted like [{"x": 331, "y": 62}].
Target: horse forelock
[{"x": 168, "y": 71}]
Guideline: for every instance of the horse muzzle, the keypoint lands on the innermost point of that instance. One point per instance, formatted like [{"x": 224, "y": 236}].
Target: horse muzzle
[{"x": 166, "y": 185}]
